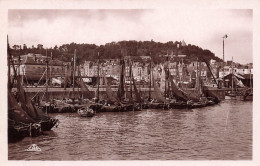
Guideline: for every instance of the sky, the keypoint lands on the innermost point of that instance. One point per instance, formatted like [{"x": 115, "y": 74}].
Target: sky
[{"x": 204, "y": 28}]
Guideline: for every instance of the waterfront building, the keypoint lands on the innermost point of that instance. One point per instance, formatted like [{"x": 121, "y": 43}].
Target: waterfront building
[
  {"x": 32, "y": 68},
  {"x": 86, "y": 68},
  {"x": 137, "y": 70}
]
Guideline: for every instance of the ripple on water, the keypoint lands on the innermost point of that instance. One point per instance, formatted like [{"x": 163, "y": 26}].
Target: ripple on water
[{"x": 223, "y": 131}]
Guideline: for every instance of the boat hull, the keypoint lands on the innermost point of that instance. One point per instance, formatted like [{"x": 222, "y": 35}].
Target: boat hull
[{"x": 86, "y": 112}]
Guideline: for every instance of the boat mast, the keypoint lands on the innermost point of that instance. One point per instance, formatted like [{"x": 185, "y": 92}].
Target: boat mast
[
  {"x": 250, "y": 82},
  {"x": 51, "y": 70},
  {"x": 131, "y": 77},
  {"x": 150, "y": 80},
  {"x": 77, "y": 58},
  {"x": 166, "y": 73},
  {"x": 98, "y": 79},
  {"x": 47, "y": 81},
  {"x": 232, "y": 86},
  {"x": 196, "y": 85},
  {"x": 74, "y": 64},
  {"x": 199, "y": 78},
  {"x": 65, "y": 74},
  {"x": 19, "y": 58},
  {"x": 8, "y": 62}
]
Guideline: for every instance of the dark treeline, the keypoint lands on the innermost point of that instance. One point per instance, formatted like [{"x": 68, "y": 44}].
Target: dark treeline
[{"x": 117, "y": 50}]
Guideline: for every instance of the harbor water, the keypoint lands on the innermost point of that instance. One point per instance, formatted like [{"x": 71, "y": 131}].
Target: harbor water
[{"x": 219, "y": 132}]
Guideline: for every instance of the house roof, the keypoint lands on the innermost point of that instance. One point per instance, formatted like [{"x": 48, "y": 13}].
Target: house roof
[
  {"x": 38, "y": 59},
  {"x": 237, "y": 75}
]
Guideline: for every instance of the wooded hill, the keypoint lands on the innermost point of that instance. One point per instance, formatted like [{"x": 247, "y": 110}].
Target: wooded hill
[{"x": 119, "y": 49}]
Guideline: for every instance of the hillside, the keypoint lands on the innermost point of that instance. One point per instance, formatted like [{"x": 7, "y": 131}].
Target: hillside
[{"x": 118, "y": 49}]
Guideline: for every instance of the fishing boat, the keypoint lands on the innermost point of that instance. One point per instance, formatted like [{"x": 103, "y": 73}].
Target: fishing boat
[
  {"x": 180, "y": 96},
  {"x": 86, "y": 112},
  {"x": 120, "y": 102},
  {"x": 197, "y": 98},
  {"x": 202, "y": 102},
  {"x": 20, "y": 123},
  {"x": 18, "y": 131},
  {"x": 111, "y": 108},
  {"x": 156, "y": 100},
  {"x": 178, "y": 105},
  {"x": 27, "y": 104},
  {"x": 235, "y": 94},
  {"x": 112, "y": 104}
]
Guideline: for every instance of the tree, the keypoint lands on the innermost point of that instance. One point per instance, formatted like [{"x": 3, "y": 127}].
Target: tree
[
  {"x": 16, "y": 47},
  {"x": 24, "y": 47}
]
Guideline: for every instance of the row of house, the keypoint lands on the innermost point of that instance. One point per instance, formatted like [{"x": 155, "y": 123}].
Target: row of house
[
  {"x": 179, "y": 70},
  {"x": 33, "y": 68}
]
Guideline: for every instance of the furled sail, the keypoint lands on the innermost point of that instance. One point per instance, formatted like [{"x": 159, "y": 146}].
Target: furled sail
[
  {"x": 179, "y": 94},
  {"x": 158, "y": 95},
  {"x": 25, "y": 102},
  {"x": 121, "y": 91},
  {"x": 110, "y": 94},
  {"x": 137, "y": 94},
  {"x": 238, "y": 82},
  {"x": 86, "y": 92},
  {"x": 157, "y": 92},
  {"x": 15, "y": 111}
]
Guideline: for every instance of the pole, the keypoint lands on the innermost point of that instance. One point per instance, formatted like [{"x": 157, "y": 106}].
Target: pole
[
  {"x": 51, "y": 70},
  {"x": 78, "y": 73},
  {"x": 224, "y": 37},
  {"x": 19, "y": 61},
  {"x": 74, "y": 63},
  {"x": 98, "y": 80},
  {"x": 9, "y": 68},
  {"x": 232, "y": 76},
  {"x": 130, "y": 73},
  {"x": 47, "y": 81},
  {"x": 250, "y": 83},
  {"x": 150, "y": 80},
  {"x": 223, "y": 54}
]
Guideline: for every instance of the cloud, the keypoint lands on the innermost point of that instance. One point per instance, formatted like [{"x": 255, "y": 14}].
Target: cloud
[{"x": 199, "y": 27}]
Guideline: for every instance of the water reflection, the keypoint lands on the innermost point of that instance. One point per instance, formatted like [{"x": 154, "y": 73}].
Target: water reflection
[{"x": 223, "y": 131}]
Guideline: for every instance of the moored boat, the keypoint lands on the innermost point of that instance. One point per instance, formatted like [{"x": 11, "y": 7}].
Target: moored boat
[{"x": 86, "y": 112}]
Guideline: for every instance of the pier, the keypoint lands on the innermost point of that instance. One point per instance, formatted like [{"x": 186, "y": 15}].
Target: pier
[{"x": 59, "y": 93}]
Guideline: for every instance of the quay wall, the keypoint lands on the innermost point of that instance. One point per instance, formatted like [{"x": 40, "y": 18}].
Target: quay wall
[{"x": 60, "y": 93}]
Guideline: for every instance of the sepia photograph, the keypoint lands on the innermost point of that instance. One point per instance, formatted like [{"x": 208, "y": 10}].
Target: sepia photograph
[{"x": 131, "y": 84}]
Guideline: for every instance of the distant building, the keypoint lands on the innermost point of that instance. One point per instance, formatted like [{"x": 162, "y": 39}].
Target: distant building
[
  {"x": 212, "y": 62},
  {"x": 32, "y": 68},
  {"x": 183, "y": 43}
]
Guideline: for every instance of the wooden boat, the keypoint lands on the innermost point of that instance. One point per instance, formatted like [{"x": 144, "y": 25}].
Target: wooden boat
[
  {"x": 86, "y": 112},
  {"x": 248, "y": 97},
  {"x": 130, "y": 107},
  {"x": 20, "y": 123},
  {"x": 178, "y": 105},
  {"x": 197, "y": 104},
  {"x": 120, "y": 102},
  {"x": 232, "y": 96},
  {"x": 235, "y": 94},
  {"x": 211, "y": 101},
  {"x": 111, "y": 108},
  {"x": 47, "y": 123},
  {"x": 17, "y": 130}
]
